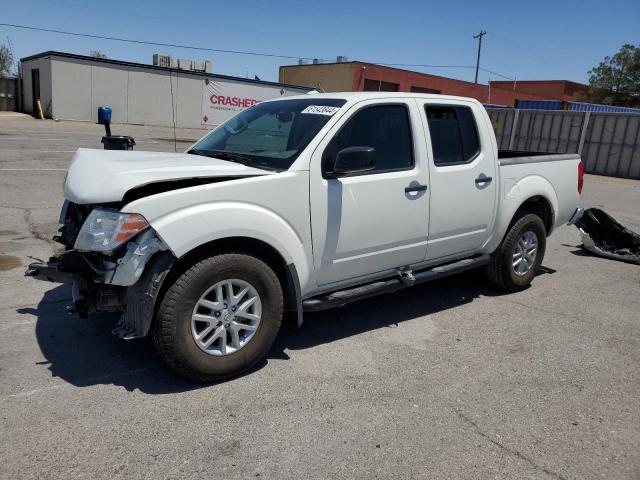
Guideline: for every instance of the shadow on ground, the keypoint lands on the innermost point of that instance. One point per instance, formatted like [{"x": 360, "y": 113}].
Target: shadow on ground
[{"x": 84, "y": 352}]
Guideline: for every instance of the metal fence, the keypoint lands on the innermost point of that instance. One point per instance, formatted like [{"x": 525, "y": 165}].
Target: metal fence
[
  {"x": 8, "y": 94},
  {"x": 609, "y": 143}
]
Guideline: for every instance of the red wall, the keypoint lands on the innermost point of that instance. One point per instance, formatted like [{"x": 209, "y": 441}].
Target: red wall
[
  {"x": 545, "y": 89},
  {"x": 447, "y": 86}
]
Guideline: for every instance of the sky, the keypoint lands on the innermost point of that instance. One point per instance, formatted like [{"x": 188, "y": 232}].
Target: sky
[{"x": 535, "y": 40}]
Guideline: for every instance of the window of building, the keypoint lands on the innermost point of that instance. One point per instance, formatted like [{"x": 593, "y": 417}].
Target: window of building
[
  {"x": 380, "y": 86},
  {"x": 454, "y": 136},
  {"x": 385, "y": 128},
  {"x": 415, "y": 89}
]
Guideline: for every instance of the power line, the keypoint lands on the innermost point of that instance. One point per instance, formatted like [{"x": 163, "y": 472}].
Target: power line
[
  {"x": 423, "y": 65},
  {"x": 239, "y": 52},
  {"x": 496, "y": 74},
  {"x": 158, "y": 44},
  {"x": 236, "y": 52}
]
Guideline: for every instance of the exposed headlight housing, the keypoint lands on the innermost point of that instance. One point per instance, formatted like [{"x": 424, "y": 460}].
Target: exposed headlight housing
[{"x": 105, "y": 230}]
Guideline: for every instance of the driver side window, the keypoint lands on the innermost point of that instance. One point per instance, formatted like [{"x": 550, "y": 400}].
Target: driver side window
[{"x": 383, "y": 127}]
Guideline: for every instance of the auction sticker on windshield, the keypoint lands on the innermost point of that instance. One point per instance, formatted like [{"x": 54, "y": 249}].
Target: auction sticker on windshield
[{"x": 320, "y": 110}]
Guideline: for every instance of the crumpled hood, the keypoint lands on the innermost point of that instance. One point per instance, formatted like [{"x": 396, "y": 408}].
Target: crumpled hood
[{"x": 102, "y": 176}]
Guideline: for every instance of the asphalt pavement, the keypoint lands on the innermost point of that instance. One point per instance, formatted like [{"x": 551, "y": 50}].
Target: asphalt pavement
[{"x": 450, "y": 379}]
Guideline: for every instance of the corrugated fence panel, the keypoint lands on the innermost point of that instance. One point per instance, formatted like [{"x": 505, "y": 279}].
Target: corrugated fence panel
[
  {"x": 548, "y": 131},
  {"x": 611, "y": 140},
  {"x": 502, "y": 121},
  {"x": 611, "y": 145}
]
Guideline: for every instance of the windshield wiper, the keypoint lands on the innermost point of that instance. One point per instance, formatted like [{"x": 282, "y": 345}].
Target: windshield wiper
[{"x": 231, "y": 157}]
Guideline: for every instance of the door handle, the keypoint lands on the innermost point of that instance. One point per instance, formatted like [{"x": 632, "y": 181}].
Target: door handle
[
  {"x": 481, "y": 179},
  {"x": 415, "y": 188}
]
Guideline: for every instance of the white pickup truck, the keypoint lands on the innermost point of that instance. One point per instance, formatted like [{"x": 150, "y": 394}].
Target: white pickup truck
[{"x": 301, "y": 204}]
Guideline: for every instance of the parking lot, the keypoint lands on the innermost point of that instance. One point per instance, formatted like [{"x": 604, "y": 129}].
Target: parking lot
[{"x": 450, "y": 379}]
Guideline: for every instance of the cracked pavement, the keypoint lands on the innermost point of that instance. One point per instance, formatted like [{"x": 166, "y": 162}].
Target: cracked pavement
[{"x": 450, "y": 379}]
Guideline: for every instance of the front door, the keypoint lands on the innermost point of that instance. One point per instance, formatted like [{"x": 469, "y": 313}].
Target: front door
[
  {"x": 463, "y": 178},
  {"x": 35, "y": 90},
  {"x": 377, "y": 220}
]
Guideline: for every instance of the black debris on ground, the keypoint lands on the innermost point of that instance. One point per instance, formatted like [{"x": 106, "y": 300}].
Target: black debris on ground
[{"x": 604, "y": 236}]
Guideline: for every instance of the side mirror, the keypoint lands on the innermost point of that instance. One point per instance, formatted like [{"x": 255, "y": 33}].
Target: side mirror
[{"x": 353, "y": 160}]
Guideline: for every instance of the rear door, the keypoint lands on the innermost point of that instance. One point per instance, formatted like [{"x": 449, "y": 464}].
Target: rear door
[
  {"x": 463, "y": 177},
  {"x": 378, "y": 220}
]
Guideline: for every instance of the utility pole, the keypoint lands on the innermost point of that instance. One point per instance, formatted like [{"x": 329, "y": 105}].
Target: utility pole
[{"x": 479, "y": 37}]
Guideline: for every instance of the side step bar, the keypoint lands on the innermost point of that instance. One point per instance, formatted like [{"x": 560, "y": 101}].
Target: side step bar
[{"x": 342, "y": 297}]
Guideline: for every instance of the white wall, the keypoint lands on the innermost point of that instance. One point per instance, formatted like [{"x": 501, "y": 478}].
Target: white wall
[
  {"x": 44, "y": 65},
  {"x": 149, "y": 97},
  {"x": 107, "y": 89},
  {"x": 72, "y": 92},
  {"x": 136, "y": 95}
]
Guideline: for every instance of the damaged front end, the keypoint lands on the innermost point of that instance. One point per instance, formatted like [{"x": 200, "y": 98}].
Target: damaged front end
[
  {"x": 114, "y": 261},
  {"x": 605, "y": 237}
]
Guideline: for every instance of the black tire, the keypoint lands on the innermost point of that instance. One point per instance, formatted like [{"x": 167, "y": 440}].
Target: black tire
[
  {"x": 500, "y": 269},
  {"x": 171, "y": 332}
]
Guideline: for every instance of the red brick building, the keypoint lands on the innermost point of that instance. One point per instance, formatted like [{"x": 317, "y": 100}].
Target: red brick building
[
  {"x": 562, "y": 90},
  {"x": 360, "y": 76}
]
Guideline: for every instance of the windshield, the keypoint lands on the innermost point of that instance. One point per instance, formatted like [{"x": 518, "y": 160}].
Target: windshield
[{"x": 271, "y": 134}]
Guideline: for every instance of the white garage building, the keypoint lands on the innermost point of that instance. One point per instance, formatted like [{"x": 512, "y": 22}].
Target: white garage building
[{"x": 72, "y": 87}]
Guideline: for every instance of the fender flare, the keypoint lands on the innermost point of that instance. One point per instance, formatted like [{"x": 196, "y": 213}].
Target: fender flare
[
  {"x": 515, "y": 196},
  {"x": 186, "y": 229}
]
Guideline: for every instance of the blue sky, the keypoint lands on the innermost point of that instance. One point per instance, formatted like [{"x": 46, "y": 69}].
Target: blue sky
[{"x": 528, "y": 40}]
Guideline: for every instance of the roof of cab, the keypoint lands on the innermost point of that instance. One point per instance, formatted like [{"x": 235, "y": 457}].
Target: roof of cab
[{"x": 357, "y": 96}]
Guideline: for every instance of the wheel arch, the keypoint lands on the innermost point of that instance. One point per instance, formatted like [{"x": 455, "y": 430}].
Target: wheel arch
[
  {"x": 532, "y": 194},
  {"x": 286, "y": 271},
  {"x": 538, "y": 205}
]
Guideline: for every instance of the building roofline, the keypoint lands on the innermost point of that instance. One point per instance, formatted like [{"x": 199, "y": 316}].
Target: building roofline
[
  {"x": 540, "y": 81},
  {"x": 322, "y": 63},
  {"x": 437, "y": 76},
  {"x": 54, "y": 53},
  {"x": 389, "y": 68}
]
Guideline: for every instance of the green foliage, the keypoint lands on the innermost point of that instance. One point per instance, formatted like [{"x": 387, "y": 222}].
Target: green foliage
[
  {"x": 6, "y": 60},
  {"x": 616, "y": 80},
  {"x": 97, "y": 54}
]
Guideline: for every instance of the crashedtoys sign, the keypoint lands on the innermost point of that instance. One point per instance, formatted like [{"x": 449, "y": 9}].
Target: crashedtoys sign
[{"x": 221, "y": 99}]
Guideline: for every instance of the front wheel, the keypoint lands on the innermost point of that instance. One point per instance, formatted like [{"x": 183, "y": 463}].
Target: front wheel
[
  {"x": 516, "y": 261},
  {"x": 219, "y": 317}
]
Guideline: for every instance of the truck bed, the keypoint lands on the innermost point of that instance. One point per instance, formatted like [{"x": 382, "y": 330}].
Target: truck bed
[
  {"x": 515, "y": 157},
  {"x": 558, "y": 171}
]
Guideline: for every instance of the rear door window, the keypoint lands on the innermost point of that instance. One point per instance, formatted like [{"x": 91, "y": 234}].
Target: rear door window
[{"x": 454, "y": 135}]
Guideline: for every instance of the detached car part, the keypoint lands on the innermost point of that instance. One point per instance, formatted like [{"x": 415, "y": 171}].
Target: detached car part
[{"x": 605, "y": 237}]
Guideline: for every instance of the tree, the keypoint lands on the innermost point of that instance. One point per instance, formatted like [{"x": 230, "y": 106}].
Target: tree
[
  {"x": 97, "y": 54},
  {"x": 616, "y": 80},
  {"x": 6, "y": 60}
]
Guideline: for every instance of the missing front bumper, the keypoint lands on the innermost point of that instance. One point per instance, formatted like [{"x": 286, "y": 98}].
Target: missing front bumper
[
  {"x": 135, "y": 302},
  {"x": 604, "y": 236},
  {"x": 48, "y": 272}
]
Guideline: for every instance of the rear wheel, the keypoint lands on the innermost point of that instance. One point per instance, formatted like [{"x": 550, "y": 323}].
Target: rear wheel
[
  {"x": 516, "y": 261},
  {"x": 219, "y": 317}
]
